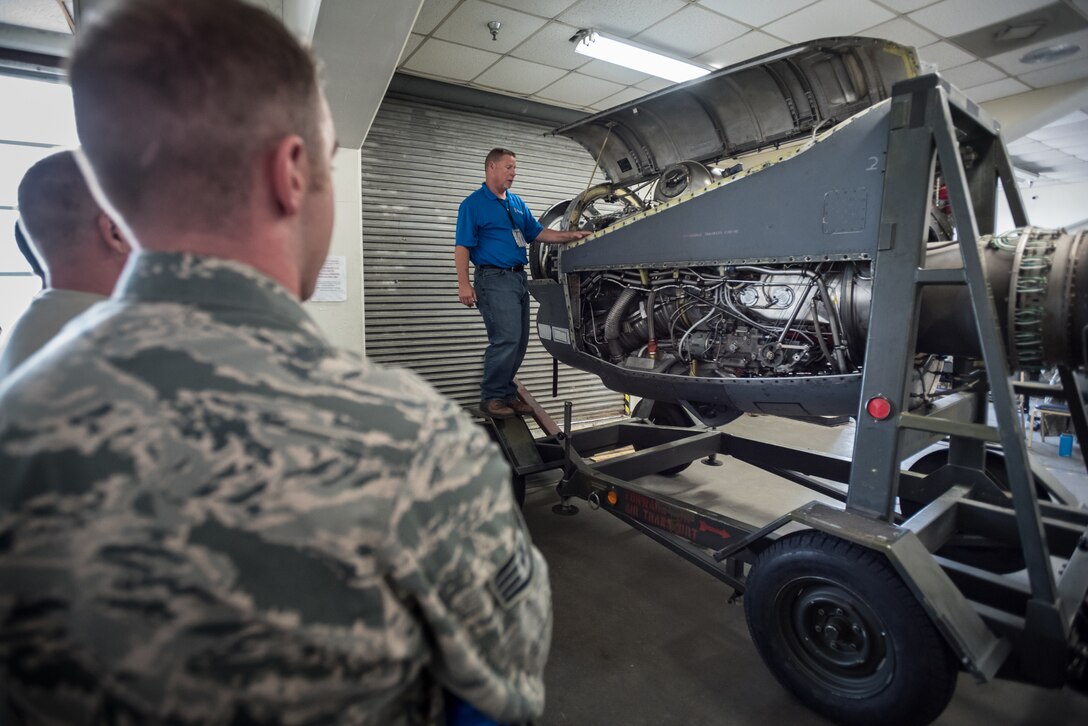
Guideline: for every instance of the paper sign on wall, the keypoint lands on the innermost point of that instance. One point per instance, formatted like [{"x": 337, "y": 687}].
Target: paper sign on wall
[{"x": 332, "y": 281}]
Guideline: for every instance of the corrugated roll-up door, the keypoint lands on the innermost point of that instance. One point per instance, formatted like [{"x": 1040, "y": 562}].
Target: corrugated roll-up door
[{"x": 418, "y": 163}]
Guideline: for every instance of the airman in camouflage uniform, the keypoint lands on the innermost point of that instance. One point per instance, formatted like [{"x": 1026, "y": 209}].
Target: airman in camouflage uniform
[{"x": 210, "y": 515}]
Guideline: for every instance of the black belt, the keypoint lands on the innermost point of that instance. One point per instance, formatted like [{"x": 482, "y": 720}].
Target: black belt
[{"x": 515, "y": 268}]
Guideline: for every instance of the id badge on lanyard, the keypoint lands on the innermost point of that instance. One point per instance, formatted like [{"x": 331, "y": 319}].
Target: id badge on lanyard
[{"x": 519, "y": 237}]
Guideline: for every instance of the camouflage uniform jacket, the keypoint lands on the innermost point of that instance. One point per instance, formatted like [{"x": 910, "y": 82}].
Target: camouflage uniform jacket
[{"x": 210, "y": 515}]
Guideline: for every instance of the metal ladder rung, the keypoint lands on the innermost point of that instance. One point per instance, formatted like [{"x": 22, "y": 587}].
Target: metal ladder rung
[
  {"x": 941, "y": 276},
  {"x": 980, "y": 432},
  {"x": 1036, "y": 389}
]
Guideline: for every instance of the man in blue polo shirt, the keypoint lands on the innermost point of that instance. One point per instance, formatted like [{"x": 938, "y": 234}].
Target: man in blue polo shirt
[{"x": 494, "y": 229}]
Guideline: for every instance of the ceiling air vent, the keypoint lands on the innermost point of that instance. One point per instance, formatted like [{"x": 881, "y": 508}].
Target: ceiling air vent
[{"x": 1045, "y": 23}]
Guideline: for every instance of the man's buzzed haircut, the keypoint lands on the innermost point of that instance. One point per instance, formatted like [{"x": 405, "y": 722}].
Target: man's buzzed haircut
[
  {"x": 175, "y": 100},
  {"x": 56, "y": 206},
  {"x": 495, "y": 154}
]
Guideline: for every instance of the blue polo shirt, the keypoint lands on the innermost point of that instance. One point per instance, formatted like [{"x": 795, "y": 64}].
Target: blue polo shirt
[{"x": 484, "y": 227}]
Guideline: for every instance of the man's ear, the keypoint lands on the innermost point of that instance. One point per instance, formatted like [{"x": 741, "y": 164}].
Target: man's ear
[
  {"x": 111, "y": 235},
  {"x": 290, "y": 173}
]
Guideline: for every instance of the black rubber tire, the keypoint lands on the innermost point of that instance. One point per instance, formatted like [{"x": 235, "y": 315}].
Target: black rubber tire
[
  {"x": 669, "y": 414},
  {"x": 840, "y": 630}
]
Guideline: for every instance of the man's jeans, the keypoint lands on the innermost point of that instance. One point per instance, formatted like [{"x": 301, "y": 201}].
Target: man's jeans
[{"x": 503, "y": 299}]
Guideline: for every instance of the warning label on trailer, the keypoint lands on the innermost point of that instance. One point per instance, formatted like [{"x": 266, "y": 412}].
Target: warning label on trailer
[{"x": 685, "y": 524}]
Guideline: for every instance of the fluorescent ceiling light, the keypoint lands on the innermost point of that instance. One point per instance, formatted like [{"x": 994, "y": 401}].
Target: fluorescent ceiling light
[
  {"x": 1050, "y": 54},
  {"x": 623, "y": 53}
]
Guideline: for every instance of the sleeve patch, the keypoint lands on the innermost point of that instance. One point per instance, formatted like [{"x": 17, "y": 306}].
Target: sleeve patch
[{"x": 512, "y": 579}]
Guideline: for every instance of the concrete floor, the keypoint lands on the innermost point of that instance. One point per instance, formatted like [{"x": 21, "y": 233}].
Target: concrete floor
[{"x": 643, "y": 637}]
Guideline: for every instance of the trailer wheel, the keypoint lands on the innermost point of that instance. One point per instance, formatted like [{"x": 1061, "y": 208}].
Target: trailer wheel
[
  {"x": 669, "y": 414},
  {"x": 841, "y": 631}
]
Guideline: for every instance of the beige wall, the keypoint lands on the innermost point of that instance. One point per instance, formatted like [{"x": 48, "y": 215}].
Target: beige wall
[{"x": 342, "y": 322}]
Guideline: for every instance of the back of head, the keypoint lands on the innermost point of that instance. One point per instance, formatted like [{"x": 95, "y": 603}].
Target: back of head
[
  {"x": 58, "y": 212},
  {"x": 175, "y": 101}
]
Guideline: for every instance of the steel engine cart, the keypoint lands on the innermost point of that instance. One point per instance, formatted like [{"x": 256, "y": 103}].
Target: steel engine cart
[{"x": 978, "y": 563}]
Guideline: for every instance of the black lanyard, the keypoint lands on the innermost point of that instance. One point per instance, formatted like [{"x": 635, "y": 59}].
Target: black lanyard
[{"x": 506, "y": 205}]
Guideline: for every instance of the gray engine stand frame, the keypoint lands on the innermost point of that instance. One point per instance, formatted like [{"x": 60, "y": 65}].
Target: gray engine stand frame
[{"x": 932, "y": 122}]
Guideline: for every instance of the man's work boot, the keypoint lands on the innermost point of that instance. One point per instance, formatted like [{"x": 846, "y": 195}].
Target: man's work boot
[
  {"x": 519, "y": 407},
  {"x": 497, "y": 408}
]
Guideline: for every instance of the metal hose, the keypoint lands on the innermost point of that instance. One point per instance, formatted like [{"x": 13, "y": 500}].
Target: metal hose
[{"x": 613, "y": 321}]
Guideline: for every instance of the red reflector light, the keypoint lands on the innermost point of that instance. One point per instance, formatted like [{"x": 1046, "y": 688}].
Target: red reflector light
[{"x": 879, "y": 408}]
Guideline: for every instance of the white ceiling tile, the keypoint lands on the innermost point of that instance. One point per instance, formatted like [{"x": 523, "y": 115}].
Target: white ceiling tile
[
  {"x": 905, "y": 6},
  {"x": 1064, "y": 174},
  {"x": 467, "y": 25},
  {"x": 612, "y": 72},
  {"x": 1072, "y": 166},
  {"x": 580, "y": 90},
  {"x": 431, "y": 14},
  {"x": 1052, "y": 135},
  {"x": 997, "y": 89},
  {"x": 944, "y": 55},
  {"x": 1073, "y": 174},
  {"x": 902, "y": 31},
  {"x": 952, "y": 17},
  {"x": 518, "y": 76},
  {"x": 625, "y": 96},
  {"x": 1075, "y": 117},
  {"x": 1048, "y": 157},
  {"x": 543, "y": 8},
  {"x": 1010, "y": 61},
  {"x": 447, "y": 60},
  {"x": 974, "y": 74},
  {"x": 743, "y": 48},
  {"x": 1054, "y": 75},
  {"x": 652, "y": 84},
  {"x": 1075, "y": 147},
  {"x": 414, "y": 39},
  {"x": 755, "y": 13},
  {"x": 620, "y": 17},
  {"x": 1025, "y": 145},
  {"x": 827, "y": 18},
  {"x": 551, "y": 46},
  {"x": 38, "y": 14},
  {"x": 690, "y": 32}
]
